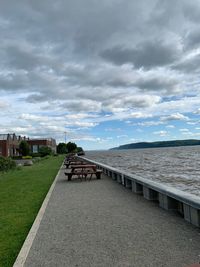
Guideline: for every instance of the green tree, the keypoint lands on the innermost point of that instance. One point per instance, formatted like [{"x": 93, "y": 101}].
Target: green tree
[
  {"x": 24, "y": 148},
  {"x": 79, "y": 149},
  {"x": 71, "y": 147},
  {"x": 62, "y": 148},
  {"x": 45, "y": 151}
]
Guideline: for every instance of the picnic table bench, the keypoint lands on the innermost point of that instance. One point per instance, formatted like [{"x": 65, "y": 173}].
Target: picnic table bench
[
  {"x": 71, "y": 159},
  {"x": 69, "y": 163},
  {"x": 83, "y": 171}
]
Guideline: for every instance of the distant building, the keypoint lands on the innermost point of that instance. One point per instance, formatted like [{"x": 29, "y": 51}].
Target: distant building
[
  {"x": 35, "y": 144},
  {"x": 9, "y": 144}
]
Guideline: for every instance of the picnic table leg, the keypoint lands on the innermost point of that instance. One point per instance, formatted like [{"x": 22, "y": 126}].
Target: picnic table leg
[
  {"x": 69, "y": 177},
  {"x": 98, "y": 175}
]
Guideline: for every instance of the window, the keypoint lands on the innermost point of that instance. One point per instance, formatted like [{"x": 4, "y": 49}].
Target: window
[{"x": 35, "y": 148}]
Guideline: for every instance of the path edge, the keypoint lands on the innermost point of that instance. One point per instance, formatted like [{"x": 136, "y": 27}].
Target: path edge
[{"x": 22, "y": 256}]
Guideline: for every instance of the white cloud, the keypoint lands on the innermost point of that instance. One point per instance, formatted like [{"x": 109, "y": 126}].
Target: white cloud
[
  {"x": 81, "y": 124},
  {"x": 161, "y": 133},
  {"x": 197, "y": 111},
  {"x": 32, "y": 117},
  {"x": 150, "y": 123},
  {"x": 175, "y": 116},
  {"x": 185, "y": 130},
  {"x": 170, "y": 126},
  {"x": 139, "y": 115},
  {"x": 3, "y": 104},
  {"x": 122, "y": 136},
  {"x": 79, "y": 116}
]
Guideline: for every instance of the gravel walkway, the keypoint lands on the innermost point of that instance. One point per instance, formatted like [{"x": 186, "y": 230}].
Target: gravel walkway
[{"x": 100, "y": 223}]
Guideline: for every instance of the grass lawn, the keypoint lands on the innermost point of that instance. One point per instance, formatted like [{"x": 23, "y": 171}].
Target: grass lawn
[{"x": 21, "y": 195}]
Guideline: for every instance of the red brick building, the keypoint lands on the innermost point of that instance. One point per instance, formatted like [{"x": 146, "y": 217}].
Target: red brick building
[
  {"x": 35, "y": 144},
  {"x": 9, "y": 144}
]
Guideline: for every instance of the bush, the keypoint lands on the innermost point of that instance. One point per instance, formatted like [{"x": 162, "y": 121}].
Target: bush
[
  {"x": 36, "y": 159},
  {"x": 79, "y": 149},
  {"x": 28, "y": 163},
  {"x": 16, "y": 157},
  {"x": 35, "y": 155},
  {"x": 27, "y": 157},
  {"x": 7, "y": 164},
  {"x": 45, "y": 151}
]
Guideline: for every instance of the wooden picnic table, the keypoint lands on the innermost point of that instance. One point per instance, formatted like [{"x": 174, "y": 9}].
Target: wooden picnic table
[
  {"x": 83, "y": 171},
  {"x": 70, "y": 163}
]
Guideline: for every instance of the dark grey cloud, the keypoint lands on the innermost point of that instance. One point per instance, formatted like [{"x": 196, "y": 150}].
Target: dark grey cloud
[
  {"x": 19, "y": 58},
  {"x": 191, "y": 10},
  {"x": 169, "y": 85},
  {"x": 147, "y": 55},
  {"x": 37, "y": 98},
  {"x": 82, "y": 106},
  {"x": 191, "y": 65},
  {"x": 192, "y": 39},
  {"x": 74, "y": 50},
  {"x": 14, "y": 81}
]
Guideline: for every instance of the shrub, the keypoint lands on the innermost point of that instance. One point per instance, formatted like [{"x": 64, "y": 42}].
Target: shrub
[
  {"x": 36, "y": 159},
  {"x": 45, "y": 151},
  {"x": 79, "y": 149},
  {"x": 28, "y": 163},
  {"x": 16, "y": 157},
  {"x": 7, "y": 164},
  {"x": 35, "y": 155},
  {"x": 27, "y": 157}
]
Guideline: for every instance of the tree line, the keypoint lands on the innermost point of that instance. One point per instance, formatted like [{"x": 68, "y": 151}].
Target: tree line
[{"x": 62, "y": 148}]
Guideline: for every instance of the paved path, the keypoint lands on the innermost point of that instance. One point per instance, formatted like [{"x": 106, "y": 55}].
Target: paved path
[{"x": 100, "y": 223}]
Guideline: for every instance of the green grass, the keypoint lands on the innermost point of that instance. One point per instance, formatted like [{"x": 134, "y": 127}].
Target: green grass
[{"x": 21, "y": 195}]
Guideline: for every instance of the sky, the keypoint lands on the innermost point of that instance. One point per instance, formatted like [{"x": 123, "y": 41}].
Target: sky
[{"x": 100, "y": 73}]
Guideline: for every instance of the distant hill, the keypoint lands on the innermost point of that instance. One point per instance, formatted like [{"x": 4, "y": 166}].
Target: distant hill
[{"x": 189, "y": 142}]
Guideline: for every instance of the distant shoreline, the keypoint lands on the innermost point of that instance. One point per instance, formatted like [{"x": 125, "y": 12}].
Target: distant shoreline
[{"x": 157, "y": 144}]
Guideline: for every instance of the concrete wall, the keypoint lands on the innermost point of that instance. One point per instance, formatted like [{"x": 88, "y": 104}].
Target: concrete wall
[{"x": 168, "y": 198}]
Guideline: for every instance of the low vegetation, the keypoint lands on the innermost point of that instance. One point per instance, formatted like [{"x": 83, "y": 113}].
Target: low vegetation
[
  {"x": 6, "y": 164},
  {"x": 22, "y": 192}
]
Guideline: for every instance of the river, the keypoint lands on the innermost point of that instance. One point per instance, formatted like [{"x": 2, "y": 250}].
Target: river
[{"x": 178, "y": 167}]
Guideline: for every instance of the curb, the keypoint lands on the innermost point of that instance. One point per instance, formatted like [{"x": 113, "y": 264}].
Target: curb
[{"x": 22, "y": 256}]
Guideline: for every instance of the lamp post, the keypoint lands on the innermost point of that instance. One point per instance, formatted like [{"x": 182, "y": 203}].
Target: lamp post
[{"x": 65, "y": 136}]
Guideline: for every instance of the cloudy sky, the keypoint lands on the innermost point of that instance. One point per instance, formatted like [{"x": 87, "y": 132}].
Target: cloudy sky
[{"x": 100, "y": 73}]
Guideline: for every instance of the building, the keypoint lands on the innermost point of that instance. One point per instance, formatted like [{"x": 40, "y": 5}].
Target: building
[
  {"x": 9, "y": 144},
  {"x": 35, "y": 144}
]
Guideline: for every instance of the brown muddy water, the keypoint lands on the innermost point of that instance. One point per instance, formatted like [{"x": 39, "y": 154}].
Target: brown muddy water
[{"x": 178, "y": 167}]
